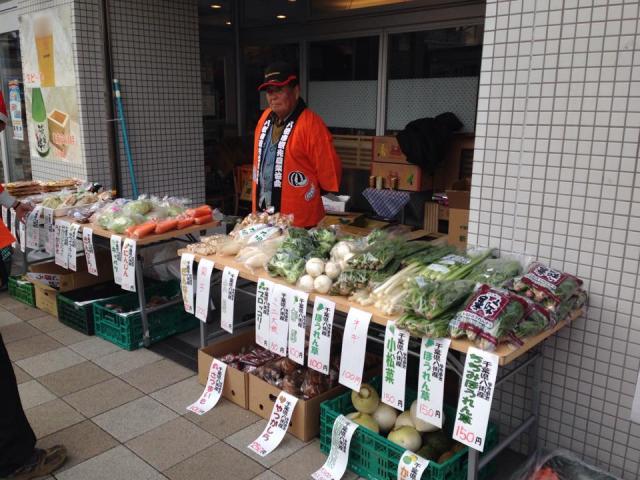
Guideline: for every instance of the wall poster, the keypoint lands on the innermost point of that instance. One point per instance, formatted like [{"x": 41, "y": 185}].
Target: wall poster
[{"x": 50, "y": 85}]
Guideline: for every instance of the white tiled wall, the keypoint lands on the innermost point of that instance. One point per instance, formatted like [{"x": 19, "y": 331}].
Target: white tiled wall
[{"x": 556, "y": 177}]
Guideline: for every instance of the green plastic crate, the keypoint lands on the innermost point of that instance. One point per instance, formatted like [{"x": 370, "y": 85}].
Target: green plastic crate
[
  {"x": 75, "y": 309},
  {"x": 22, "y": 290},
  {"x": 373, "y": 456},
  {"x": 125, "y": 329}
]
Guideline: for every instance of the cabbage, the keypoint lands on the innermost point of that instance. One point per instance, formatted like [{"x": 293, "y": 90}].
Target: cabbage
[
  {"x": 141, "y": 207},
  {"x": 120, "y": 224}
]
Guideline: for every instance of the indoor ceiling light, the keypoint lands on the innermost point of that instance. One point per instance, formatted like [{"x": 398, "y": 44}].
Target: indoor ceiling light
[
  {"x": 281, "y": 17},
  {"x": 216, "y": 6},
  {"x": 228, "y": 22}
]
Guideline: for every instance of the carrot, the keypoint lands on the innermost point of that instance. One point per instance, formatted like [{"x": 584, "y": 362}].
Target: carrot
[
  {"x": 129, "y": 231},
  {"x": 203, "y": 219},
  {"x": 185, "y": 222},
  {"x": 167, "y": 225},
  {"x": 143, "y": 230},
  {"x": 199, "y": 212}
]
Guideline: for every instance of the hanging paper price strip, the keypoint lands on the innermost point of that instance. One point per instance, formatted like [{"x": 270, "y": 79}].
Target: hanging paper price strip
[
  {"x": 476, "y": 395},
  {"x": 394, "y": 364},
  {"x": 320, "y": 341},
  {"x": 297, "y": 326},
  {"x": 23, "y": 234},
  {"x": 129, "y": 265},
  {"x": 12, "y": 213},
  {"x": 186, "y": 281},
  {"x": 5, "y": 216},
  {"x": 263, "y": 290},
  {"x": 212, "y": 390},
  {"x": 280, "y": 303},
  {"x": 72, "y": 231},
  {"x": 411, "y": 466},
  {"x": 33, "y": 227},
  {"x": 205, "y": 268},
  {"x": 227, "y": 298},
  {"x": 49, "y": 227},
  {"x": 277, "y": 425},
  {"x": 336, "y": 464},
  {"x": 89, "y": 251},
  {"x": 58, "y": 243},
  {"x": 433, "y": 361},
  {"x": 354, "y": 346},
  {"x": 66, "y": 244},
  {"x": 116, "y": 258}
]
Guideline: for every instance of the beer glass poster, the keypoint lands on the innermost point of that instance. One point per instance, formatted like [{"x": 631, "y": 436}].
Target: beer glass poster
[{"x": 50, "y": 85}]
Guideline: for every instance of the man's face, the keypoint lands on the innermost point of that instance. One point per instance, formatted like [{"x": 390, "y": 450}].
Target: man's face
[{"x": 282, "y": 100}]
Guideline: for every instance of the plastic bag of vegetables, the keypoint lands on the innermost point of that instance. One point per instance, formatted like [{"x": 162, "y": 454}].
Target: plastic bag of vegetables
[
  {"x": 489, "y": 316},
  {"x": 432, "y": 299},
  {"x": 258, "y": 255},
  {"x": 546, "y": 286},
  {"x": 495, "y": 271},
  {"x": 455, "y": 266},
  {"x": 141, "y": 206}
]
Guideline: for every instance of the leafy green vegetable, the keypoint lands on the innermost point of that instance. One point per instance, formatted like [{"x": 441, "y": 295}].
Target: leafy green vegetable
[
  {"x": 454, "y": 266},
  {"x": 419, "y": 326},
  {"x": 427, "y": 256},
  {"x": 350, "y": 281},
  {"x": 431, "y": 299},
  {"x": 494, "y": 271},
  {"x": 287, "y": 265}
]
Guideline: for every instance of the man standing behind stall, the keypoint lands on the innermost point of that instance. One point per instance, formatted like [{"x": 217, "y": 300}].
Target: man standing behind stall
[{"x": 294, "y": 160}]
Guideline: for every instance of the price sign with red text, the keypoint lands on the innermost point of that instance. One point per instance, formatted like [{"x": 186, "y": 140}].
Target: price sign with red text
[
  {"x": 280, "y": 302},
  {"x": 336, "y": 464},
  {"x": 33, "y": 227},
  {"x": 476, "y": 395},
  {"x": 186, "y": 281},
  {"x": 89, "y": 251},
  {"x": 227, "y": 298},
  {"x": 433, "y": 362},
  {"x": 116, "y": 258},
  {"x": 411, "y": 466},
  {"x": 394, "y": 365},
  {"x": 297, "y": 326},
  {"x": 129, "y": 265},
  {"x": 12, "y": 213},
  {"x": 320, "y": 341},
  {"x": 205, "y": 268},
  {"x": 354, "y": 346},
  {"x": 73, "y": 246},
  {"x": 277, "y": 425},
  {"x": 49, "y": 227},
  {"x": 213, "y": 389},
  {"x": 263, "y": 290}
]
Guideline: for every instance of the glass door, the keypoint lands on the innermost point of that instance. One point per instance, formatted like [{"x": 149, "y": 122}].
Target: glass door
[{"x": 16, "y": 163}]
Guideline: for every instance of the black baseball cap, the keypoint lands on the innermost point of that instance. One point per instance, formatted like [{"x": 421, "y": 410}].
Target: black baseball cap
[{"x": 278, "y": 74}]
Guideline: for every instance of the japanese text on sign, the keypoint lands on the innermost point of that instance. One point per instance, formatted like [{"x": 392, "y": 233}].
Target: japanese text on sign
[
  {"x": 411, "y": 466},
  {"x": 33, "y": 227},
  {"x": 49, "y": 227},
  {"x": 263, "y": 289},
  {"x": 433, "y": 358},
  {"x": 280, "y": 301},
  {"x": 129, "y": 265},
  {"x": 116, "y": 258},
  {"x": 186, "y": 281},
  {"x": 297, "y": 326},
  {"x": 277, "y": 425},
  {"x": 205, "y": 268},
  {"x": 5, "y": 216},
  {"x": 476, "y": 395},
  {"x": 320, "y": 341},
  {"x": 227, "y": 298},
  {"x": 354, "y": 345},
  {"x": 212, "y": 390},
  {"x": 73, "y": 246},
  {"x": 12, "y": 213},
  {"x": 336, "y": 463},
  {"x": 89, "y": 251},
  {"x": 394, "y": 364},
  {"x": 23, "y": 234}
]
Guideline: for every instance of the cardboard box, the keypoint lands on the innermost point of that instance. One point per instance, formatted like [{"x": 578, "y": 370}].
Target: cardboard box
[
  {"x": 431, "y": 211},
  {"x": 459, "y": 199},
  {"x": 50, "y": 275},
  {"x": 409, "y": 176},
  {"x": 387, "y": 149},
  {"x": 458, "y": 227},
  {"x": 335, "y": 203},
  {"x": 236, "y": 382},
  {"x": 46, "y": 299}
]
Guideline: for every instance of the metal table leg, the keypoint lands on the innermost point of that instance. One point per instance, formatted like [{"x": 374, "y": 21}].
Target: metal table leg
[
  {"x": 473, "y": 466},
  {"x": 535, "y": 403},
  {"x": 203, "y": 334},
  {"x": 142, "y": 300}
]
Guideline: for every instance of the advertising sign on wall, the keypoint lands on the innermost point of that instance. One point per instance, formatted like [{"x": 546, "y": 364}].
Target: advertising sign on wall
[{"x": 50, "y": 85}]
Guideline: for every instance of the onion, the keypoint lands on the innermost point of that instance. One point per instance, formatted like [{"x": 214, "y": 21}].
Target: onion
[
  {"x": 366, "y": 400},
  {"x": 385, "y": 416},
  {"x": 365, "y": 420},
  {"x": 322, "y": 284},
  {"x": 339, "y": 250},
  {"x": 404, "y": 420},
  {"x": 305, "y": 283},
  {"x": 332, "y": 269},
  {"x": 421, "y": 425},
  {"x": 407, "y": 437},
  {"x": 315, "y": 267}
]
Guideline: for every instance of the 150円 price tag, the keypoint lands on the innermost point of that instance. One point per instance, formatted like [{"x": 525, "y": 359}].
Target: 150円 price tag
[
  {"x": 277, "y": 425},
  {"x": 280, "y": 302},
  {"x": 187, "y": 281},
  {"x": 263, "y": 290},
  {"x": 205, "y": 268},
  {"x": 394, "y": 365},
  {"x": 476, "y": 394},
  {"x": 116, "y": 258},
  {"x": 433, "y": 362},
  {"x": 297, "y": 326}
]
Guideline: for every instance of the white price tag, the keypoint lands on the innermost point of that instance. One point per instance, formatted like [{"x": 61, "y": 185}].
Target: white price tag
[
  {"x": 64, "y": 240},
  {"x": 411, "y": 466},
  {"x": 297, "y": 326},
  {"x": 277, "y": 425},
  {"x": 33, "y": 228},
  {"x": 433, "y": 363},
  {"x": 320, "y": 341},
  {"x": 58, "y": 243},
  {"x": 89, "y": 251},
  {"x": 116, "y": 258},
  {"x": 394, "y": 365},
  {"x": 5, "y": 216},
  {"x": 129, "y": 265},
  {"x": 354, "y": 346},
  {"x": 280, "y": 304},
  {"x": 49, "y": 227},
  {"x": 336, "y": 464},
  {"x": 213, "y": 389},
  {"x": 73, "y": 246},
  {"x": 227, "y": 298},
  {"x": 23, "y": 240},
  {"x": 476, "y": 395},
  {"x": 13, "y": 227},
  {"x": 263, "y": 289},
  {"x": 186, "y": 281},
  {"x": 205, "y": 268}
]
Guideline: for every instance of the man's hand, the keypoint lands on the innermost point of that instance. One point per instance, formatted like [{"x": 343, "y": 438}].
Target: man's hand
[{"x": 22, "y": 209}]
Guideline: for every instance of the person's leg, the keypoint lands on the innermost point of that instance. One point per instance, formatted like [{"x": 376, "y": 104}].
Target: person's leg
[{"x": 17, "y": 440}]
